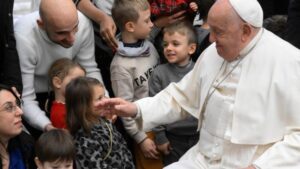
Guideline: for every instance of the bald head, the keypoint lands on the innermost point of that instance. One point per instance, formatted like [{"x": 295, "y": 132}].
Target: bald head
[
  {"x": 59, "y": 19},
  {"x": 58, "y": 12}
]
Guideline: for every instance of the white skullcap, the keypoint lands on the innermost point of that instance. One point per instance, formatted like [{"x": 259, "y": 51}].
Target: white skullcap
[{"x": 249, "y": 10}]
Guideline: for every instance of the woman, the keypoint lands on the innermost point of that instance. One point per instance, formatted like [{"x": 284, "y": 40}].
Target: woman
[{"x": 16, "y": 147}]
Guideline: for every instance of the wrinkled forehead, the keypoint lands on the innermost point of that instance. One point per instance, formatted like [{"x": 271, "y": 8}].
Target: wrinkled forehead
[{"x": 222, "y": 15}]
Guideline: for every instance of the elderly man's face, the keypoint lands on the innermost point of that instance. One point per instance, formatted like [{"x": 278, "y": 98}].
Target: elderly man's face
[
  {"x": 62, "y": 34},
  {"x": 227, "y": 35}
]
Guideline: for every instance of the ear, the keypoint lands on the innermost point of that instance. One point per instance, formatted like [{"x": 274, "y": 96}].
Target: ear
[
  {"x": 38, "y": 163},
  {"x": 246, "y": 32},
  {"x": 130, "y": 26},
  {"x": 192, "y": 48},
  {"x": 56, "y": 81},
  {"x": 40, "y": 23}
]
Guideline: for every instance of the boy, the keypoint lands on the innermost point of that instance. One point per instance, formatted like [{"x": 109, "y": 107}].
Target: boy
[
  {"x": 179, "y": 43},
  {"x": 131, "y": 67},
  {"x": 55, "y": 149}
]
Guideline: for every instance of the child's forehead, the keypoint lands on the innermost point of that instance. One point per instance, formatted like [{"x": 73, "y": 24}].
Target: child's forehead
[
  {"x": 60, "y": 161},
  {"x": 180, "y": 32}
]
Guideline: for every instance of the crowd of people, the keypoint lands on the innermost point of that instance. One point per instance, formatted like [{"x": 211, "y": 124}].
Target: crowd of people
[{"x": 150, "y": 84}]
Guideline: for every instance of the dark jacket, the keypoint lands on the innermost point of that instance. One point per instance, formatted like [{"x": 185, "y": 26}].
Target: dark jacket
[
  {"x": 25, "y": 143},
  {"x": 10, "y": 73}
]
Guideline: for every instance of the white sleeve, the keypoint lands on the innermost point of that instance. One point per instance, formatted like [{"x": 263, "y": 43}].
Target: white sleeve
[
  {"x": 284, "y": 154},
  {"x": 32, "y": 113}
]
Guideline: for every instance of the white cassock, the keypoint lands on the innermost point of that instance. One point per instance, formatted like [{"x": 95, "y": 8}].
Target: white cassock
[{"x": 252, "y": 115}]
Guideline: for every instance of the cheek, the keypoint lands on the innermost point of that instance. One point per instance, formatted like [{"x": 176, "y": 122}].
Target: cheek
[{"x": 6, "y": 126}]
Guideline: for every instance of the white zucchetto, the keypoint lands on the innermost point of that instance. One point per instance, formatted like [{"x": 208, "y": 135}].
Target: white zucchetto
[{"x": 249, "y": 10}]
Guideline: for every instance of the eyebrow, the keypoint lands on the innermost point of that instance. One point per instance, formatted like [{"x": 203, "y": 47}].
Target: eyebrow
[{"x": 7, "y": 103}]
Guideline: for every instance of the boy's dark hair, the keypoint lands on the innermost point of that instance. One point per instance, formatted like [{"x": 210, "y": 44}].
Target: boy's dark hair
[
  {"x": 183, "y": 27},
  {"x": 55, "y": 145},
  {"x": 79, "y": 99},
  {"x": 124, "y": 11}
]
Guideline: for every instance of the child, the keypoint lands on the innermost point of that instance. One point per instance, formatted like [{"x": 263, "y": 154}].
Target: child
[
  {"x": 55, "y": 149},
  {"x": 179, "y": 43},
  {"x": 166, "y": 12},
  {"x": 131, "y": 67},
  {"x": 98, "y": 143},
  {"x": 60, "y": 74}
]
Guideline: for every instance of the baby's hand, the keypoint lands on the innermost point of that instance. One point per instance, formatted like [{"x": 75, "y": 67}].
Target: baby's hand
[{"x": 194, "y": 6}]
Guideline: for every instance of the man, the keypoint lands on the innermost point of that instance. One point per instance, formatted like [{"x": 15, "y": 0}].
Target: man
[
  {"x": 10, "y": 73},
  {"x": 248, "y": 115},
  {"x": 57, "y": 31}
]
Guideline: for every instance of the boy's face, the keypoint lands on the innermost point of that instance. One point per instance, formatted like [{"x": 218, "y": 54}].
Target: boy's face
[
  {"x": 177, "y": 49},
  {"x": 54, "y": 165},
  {"x": 143, "y": 25}
]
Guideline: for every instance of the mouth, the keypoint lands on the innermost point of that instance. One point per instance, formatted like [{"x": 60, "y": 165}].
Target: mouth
[
  {"x": 18, "y": 123},
  {"x": 170, "y": 55}
]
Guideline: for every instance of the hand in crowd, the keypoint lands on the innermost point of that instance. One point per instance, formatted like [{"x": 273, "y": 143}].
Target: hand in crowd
[
  {"x": 108, "y": 30},
  {"x": 193, "y": 6},
  {"x": 49, "y": 127},
  {"x": 164, "y": 148},
  {"x": 117, "y": 106},
  {"x": 167, "y": 20},
  {"x": 148, "y": 148},
  {"x": 14, "y": 89}
]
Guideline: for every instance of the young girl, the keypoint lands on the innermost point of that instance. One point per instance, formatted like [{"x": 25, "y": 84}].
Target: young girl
[
  {"x": 55, "y": 149},
  {"x": 60, "y": 74},
  {"x": 98, "y": 143}
]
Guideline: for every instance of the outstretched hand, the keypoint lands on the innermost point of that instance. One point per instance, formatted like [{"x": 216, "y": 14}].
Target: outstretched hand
[{"x": 117, "y": 106}]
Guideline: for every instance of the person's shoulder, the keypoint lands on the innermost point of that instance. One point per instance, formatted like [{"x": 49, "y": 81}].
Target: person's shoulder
[
  {"x": 83, "y": 20},
  {"x": 278, "y": 46},
  {"x": 27, "y": 20},
  {"x": 26, "y": 24},
  {"x": 162, "y": 68}
]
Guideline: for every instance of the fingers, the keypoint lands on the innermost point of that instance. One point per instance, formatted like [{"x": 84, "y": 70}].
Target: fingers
[
  {"x": 14, "y": 89},
  {"x": 177, "y": 17},
  {"x": 178, "y": 14},
  {"x": 109, "y": 38},
  {"x": 149, "y": 149},
  {"x": 152, "y": 153}
]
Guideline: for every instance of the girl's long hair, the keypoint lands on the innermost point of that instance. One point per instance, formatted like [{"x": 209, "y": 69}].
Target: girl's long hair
[{"x": 79, "y": 104}]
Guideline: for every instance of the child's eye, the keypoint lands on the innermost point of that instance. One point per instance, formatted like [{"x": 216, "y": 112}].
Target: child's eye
[
  {"x": 176, "y": 44},
  {"x": 100, "y": 97},
  {"x": 164, "y": 44}
]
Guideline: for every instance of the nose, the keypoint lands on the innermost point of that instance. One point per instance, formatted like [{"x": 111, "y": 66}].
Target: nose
[
  {"x": 71, "y": 37},
  {"x": 19, "y": 111}
]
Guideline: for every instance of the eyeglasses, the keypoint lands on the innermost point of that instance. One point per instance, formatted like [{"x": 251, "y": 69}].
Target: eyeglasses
[{"x": 11, "y": 107}]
